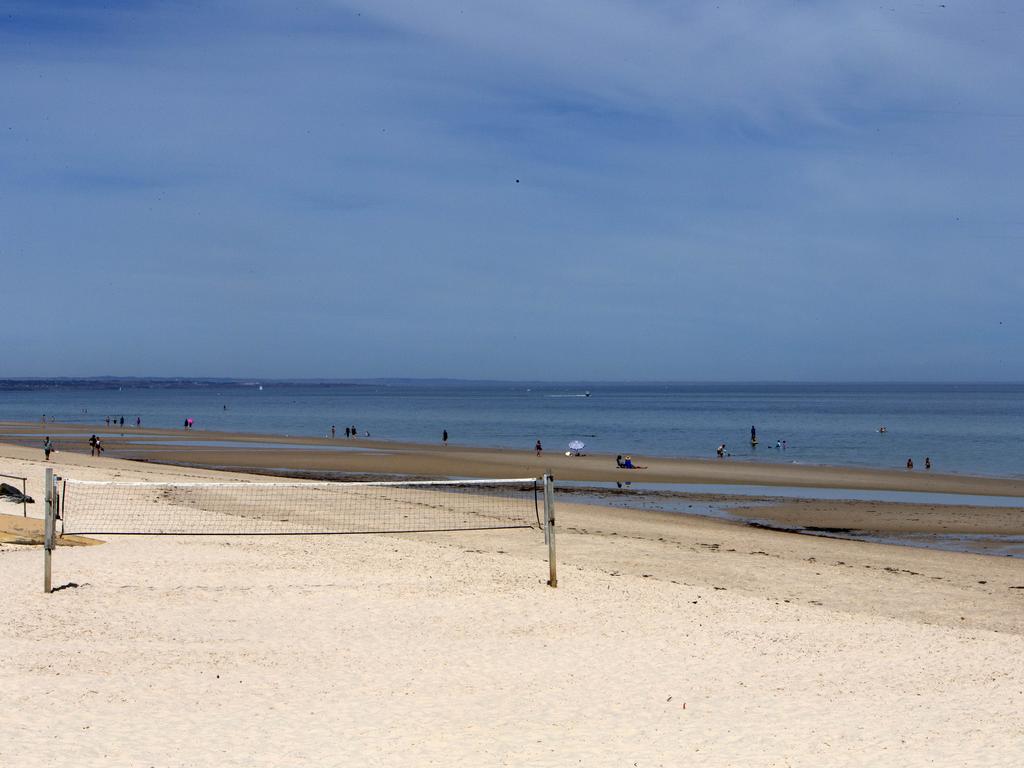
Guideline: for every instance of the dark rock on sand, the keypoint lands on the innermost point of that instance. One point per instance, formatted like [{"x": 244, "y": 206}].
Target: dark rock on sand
[{"x": 10, "y": 493}]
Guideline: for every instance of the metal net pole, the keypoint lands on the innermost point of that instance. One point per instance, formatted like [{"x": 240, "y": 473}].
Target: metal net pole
[
  {"x": 48, "y": 529},
  {"x": 549, "y": 527}
]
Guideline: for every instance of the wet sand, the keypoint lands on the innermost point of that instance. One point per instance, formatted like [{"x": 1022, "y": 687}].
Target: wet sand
[
  {"x": 319, "y": 457},
  {"x": 367, "y": 456}
]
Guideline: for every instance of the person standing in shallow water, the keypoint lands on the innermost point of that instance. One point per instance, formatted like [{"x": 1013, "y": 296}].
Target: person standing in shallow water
[
  {"x": 927, "y": 462},
  {"x": 444, "y": 437},
  {"x": 910, "y": 463}
]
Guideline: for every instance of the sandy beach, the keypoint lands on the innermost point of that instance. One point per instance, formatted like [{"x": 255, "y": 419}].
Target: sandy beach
[{"x": 669, "y": 639}]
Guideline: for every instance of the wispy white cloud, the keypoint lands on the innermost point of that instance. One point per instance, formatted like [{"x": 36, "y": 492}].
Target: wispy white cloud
[{"x": 738, "y": 185}]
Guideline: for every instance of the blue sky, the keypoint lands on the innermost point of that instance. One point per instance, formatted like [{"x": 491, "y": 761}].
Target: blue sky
[{"x": 574, "y": 190}]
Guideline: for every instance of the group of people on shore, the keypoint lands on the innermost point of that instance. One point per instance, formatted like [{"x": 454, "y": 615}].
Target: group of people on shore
[
  {"x": 927, "y": 462},
  {"x": 350, "y": 432},
  {"x": 95, "y": 446}
]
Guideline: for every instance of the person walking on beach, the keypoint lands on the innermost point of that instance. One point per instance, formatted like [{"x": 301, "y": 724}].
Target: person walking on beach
[
  {"x": 92, "y": 445},
  {"x": 47, "y": 447},
  {"x": 348, "y": 432},
  {"x": 354, "y": 433},
  {"x": 332, "y": 431},
  {"x": 539, "y": 448},
  {"x": 122, "y": 422},
  {"x": 107, "y": 419},
  {"x": 138, "y": 422},
  {"x": 444, "y": 437}
]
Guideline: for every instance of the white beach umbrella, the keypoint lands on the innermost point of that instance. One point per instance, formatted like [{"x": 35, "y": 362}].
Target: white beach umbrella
[{"x": 577, "y": 445}]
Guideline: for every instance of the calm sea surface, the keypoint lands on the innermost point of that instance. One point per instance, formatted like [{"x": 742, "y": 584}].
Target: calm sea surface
[{"x": 969, "y": 428}]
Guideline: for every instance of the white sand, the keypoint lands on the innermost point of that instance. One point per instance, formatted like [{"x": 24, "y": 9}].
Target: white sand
[{"x": 441, "y": 650}]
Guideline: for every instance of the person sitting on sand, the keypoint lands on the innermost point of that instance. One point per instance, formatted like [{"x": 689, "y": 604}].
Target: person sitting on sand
[
  {"x": 618, "y": 461},
  {"x": 628, "y": 464}
]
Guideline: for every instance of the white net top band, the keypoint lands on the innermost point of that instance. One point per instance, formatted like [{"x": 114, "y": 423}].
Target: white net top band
[{"x": 307, "y": 483}]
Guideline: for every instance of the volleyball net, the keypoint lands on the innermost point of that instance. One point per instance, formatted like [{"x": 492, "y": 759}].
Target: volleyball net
[
  {"x": 295, "y": 508},
  {"x": 85, "y": 507}
]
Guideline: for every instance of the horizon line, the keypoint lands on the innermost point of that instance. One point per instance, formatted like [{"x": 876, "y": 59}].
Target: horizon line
[{"x": 244, "y": 380}]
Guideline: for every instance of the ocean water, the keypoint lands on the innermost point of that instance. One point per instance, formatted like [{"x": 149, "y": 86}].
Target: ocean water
[{"x": 967, "y": 428}]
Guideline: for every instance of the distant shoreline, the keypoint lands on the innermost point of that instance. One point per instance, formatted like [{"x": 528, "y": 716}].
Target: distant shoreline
[{"x": 163, "y": 382}]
